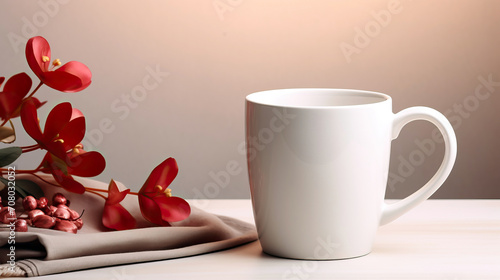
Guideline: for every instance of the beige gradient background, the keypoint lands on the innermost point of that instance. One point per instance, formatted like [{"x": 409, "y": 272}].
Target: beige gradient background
[{"x": 430, "y": 53}]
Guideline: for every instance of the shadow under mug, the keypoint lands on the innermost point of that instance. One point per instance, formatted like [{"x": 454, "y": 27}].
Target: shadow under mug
[{"x": 318, "y": 163}]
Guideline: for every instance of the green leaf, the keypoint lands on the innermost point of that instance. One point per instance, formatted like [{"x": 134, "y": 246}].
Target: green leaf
[
  {"x": 21, "y": 192},
  {"x": 6, "y": 182},
  {"x": 24, "y": 187},
  {"x": 9, "y": 155},
  {"x": 28, "y": 187}
]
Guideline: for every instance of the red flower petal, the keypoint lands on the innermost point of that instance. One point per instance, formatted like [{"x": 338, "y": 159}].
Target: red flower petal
[
  {"x": 162, "y": 175},
  {"x": 36, "y": 48},
  {"x": 62, "y": 81},
  {"x": 73, "y": 132},
  {"x": 117, "y": 217},
  {"x": 15, "y": 89},
  {"x": 67, "y": 182},
  {"x": 57, "y": 119},
  {"x": 115, "y": 196},
  {"x": 56, "y": 149},
  {"x": 45, "y": 164},
  {"x": 37, "y": 102},
  {"x": 71, "y": 77},
  {"x": 29, "y": 119},
  {"x": 150, "y": 210},
  {"x": 19, "y": 84},
  {"x": 173, "y": 209},
  {"x": 114, "y": 215},
  {"x": 75, "y": 113},
  {"x": 79, "y": 70},
  {"x": 88, "y": 164}
]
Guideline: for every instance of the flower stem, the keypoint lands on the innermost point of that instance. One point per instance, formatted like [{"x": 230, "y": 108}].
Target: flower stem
[
  {"x": 95, "y": 192},
  {"x": 35, "y": 90},
  {"x": 27, "y": 149},
  {"x": 105, "y": 191},
  {"x": 55, "y": 185},
  {"x": 5, "y": 170}
]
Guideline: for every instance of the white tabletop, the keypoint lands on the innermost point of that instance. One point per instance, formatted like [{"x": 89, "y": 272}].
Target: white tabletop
[{"x": 440, "y": 239}]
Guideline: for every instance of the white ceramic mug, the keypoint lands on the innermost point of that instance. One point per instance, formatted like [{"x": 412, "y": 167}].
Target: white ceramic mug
[{"x": 318, "y": 163}]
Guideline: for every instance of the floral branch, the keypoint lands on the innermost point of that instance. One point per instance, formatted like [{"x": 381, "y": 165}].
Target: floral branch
[{"x": 65, "y": 155}]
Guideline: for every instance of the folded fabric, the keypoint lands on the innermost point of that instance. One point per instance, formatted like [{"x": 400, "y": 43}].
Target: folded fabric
[{"x": 45, "y": 251}]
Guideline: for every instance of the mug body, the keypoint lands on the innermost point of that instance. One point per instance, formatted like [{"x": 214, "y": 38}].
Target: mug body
[{"x": 318, "y": 163}]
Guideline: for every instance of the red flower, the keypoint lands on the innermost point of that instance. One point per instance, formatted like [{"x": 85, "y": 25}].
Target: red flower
[
  {"x": 71, "y": 77},
  {"x": 64, "y": 127},
  {"x": 155, "y": 199},
  {"x": 77, "y": 162},
  {"x": 115, "y": 216},
  {"x": 14, "y": 91}
]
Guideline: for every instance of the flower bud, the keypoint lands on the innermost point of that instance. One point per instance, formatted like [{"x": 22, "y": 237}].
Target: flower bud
[
  {"x": 67, "y": 226},
  {"x": 42, "y": 202},
  {"x": 29, "y": 203},
  {"x": 33, "y": 213},
  {"x": 58, "y": 198},
  {"x": 44, "y": 221}
]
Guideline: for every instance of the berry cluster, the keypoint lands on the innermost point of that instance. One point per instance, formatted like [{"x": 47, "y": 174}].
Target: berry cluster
[{"x": 57, "y": 216}]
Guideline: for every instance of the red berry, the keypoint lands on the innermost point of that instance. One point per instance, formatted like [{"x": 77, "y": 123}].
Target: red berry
[
  {"x": 44, "y": 221},
  {"x": 74, "y": 214},
  {"x": 21, "y": 225},
  {"x": 62, "y": 206},
  {"x": 42, "y": 202},
  {"x": 29, "y": 203},
  {"x": 49, "y": 210},
  {"x": 58, "y": 198},
  {"x": 78, "y": 223},
  {"x": 33, "y": 213},
  {"x": 62, "y": 213},
  {"x": 66, "y": 226},
  {"x": 7, "y": 215}
]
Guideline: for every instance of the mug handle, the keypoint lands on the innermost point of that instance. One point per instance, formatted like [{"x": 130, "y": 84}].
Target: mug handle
[{"x": 392, "y": 211}]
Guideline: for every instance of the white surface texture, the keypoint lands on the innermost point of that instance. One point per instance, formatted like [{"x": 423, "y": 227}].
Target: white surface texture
[{"x": 440, "y": 239}]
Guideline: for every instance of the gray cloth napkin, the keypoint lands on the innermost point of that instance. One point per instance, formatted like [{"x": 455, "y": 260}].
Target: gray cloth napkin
[{"x": 42, "y": 252}]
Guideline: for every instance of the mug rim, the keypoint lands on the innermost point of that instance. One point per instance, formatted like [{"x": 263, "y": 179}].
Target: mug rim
[{"x": 254, "y": 97}]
